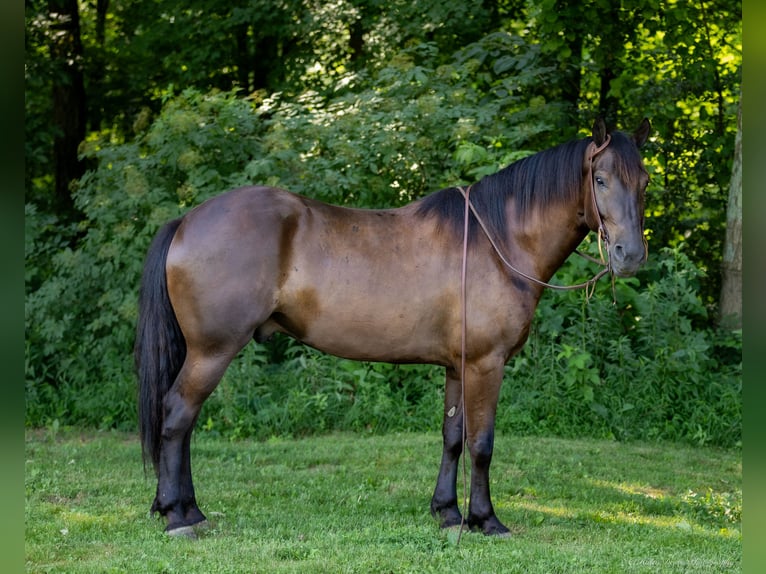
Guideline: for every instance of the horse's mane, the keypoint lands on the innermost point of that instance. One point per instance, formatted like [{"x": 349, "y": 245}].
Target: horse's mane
[{"x": 535, "y": 182}]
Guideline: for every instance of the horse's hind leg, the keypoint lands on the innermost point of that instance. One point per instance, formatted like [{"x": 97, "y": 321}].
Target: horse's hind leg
[{"x": 175, "y": 497}]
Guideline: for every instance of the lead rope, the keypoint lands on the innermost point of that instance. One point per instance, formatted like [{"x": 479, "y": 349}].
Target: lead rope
[
  {"x": 589, "y": 286},
  {"x": 463, "y": 321}
]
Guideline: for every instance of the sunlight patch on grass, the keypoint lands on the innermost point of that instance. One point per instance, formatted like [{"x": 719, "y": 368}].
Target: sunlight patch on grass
[
  {"x": 84, "y": 519},
  {"x": 540, "y": 512}
]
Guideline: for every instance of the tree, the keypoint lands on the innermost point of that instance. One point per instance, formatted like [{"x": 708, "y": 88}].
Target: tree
[
  {"x": 683, "y": 71},
  {"x": 730, "y": 308},
  {"x": 69, "y": 110}
]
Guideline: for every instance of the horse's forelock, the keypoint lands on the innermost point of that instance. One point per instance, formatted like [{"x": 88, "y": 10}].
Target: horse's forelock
[{"x": 627, "y": 160}]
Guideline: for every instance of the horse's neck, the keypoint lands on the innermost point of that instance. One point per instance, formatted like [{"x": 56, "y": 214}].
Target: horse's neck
[{"x": 542, "y": 240}]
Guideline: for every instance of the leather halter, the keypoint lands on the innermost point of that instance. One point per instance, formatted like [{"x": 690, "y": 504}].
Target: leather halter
[{"x": 593, "y": 151}]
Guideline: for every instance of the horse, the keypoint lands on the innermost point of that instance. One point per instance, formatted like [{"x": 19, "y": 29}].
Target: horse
[{"x": 451, "y": 279}]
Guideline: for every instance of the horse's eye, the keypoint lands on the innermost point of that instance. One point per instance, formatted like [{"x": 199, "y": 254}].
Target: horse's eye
[{"x": 600, "y": 181}]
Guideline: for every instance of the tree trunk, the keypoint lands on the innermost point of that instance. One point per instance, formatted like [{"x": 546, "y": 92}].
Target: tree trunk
[
  {"x": 730, "y": 306},
  {"x": 69, "y": 112},
  {"x": 571, "y": 78},
  {"x": 265, "y": 57},
  {"x": 97, "y": 68},
  {"x": 356, "y": 40},
  {"x": 243, "y": 58},
  {"x": 610, "y": 50}
]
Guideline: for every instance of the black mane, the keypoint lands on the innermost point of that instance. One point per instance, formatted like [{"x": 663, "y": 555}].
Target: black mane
[{"x": 538, "y": 181}]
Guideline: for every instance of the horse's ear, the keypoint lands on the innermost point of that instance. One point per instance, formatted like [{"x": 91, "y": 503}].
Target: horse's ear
[
  {"x": 599, "y": 131},
  {"x": 642, "y": 133}
]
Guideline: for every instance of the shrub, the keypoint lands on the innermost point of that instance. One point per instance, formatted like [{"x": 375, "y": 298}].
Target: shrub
[{"x": 81, "y": 300}]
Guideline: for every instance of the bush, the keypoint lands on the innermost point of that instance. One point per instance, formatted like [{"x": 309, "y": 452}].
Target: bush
[
  {"x": 81, "y": 300},
  {"x": 368, "y": 149}
]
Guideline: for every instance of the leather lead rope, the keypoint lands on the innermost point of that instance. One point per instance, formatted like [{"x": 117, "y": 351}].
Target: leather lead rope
[{"x": 463, "y": 337}]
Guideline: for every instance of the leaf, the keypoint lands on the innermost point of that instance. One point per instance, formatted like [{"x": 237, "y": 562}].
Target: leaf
[{"x": 503, "y": 64}]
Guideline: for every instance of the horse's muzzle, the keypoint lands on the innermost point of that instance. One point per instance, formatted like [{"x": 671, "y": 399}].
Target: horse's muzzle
[{"x": 626, "y": 260}]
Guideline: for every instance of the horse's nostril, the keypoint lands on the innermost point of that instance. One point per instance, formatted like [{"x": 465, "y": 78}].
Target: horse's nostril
[{"x": 627, "y": 255}]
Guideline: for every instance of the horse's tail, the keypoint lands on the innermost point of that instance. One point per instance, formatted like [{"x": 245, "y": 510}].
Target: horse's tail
[{"x": 160, "y": 347}]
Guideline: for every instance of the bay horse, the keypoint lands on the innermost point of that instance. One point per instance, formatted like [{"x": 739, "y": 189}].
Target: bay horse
[{"x": 376, "y": 285}]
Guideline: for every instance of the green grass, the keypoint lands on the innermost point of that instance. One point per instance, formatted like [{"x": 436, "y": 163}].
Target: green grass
[{"x": 352, "y": 503}]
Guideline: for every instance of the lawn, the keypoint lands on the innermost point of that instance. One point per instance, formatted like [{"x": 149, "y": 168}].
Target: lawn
[{"x": 353, "y": 503}]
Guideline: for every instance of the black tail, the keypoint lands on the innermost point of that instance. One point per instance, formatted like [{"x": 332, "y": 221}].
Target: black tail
[{"x": 160, "y": 346}]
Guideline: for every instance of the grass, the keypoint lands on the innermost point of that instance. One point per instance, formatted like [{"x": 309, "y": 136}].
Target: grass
[{"x": 352, "y": 503}]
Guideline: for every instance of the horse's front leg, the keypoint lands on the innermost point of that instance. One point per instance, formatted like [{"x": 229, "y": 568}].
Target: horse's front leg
[
  {"x": 481, "y": 396},
  {"x": 482, "y": 392},
  {"x": 444, "y": 504}
]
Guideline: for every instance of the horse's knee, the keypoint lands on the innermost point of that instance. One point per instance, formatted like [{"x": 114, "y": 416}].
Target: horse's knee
[
  {"x": 452, "y": 432},
  {"x": 481, "y": 447}
]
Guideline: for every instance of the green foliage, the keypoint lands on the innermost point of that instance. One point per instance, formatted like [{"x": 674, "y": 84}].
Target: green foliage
[
  {"x": 81, "y": 303},
  {"x": 648, "y": 368},
  {"x": 309, "y": 392},
  {"x": 687, "y": 60},
  {"x": 531, "y": 71},
  {"x": 391, "y": 143}
]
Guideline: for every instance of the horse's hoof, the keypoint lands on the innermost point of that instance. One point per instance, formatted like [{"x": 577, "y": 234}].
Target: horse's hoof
[
  {"x": 191, "y": 532},
  {"x": 490, "y": 527},
  {"x": 182, "y": 532}
]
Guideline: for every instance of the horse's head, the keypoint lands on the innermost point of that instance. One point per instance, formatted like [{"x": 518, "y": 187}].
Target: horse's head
[{"x": 614, "y": 194}]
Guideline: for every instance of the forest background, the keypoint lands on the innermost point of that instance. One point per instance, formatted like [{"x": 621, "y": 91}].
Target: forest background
[{"x": 138, "y": 110}]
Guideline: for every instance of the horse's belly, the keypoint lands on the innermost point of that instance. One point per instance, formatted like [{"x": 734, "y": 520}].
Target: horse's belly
[{"x": 396, "y": 335}]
